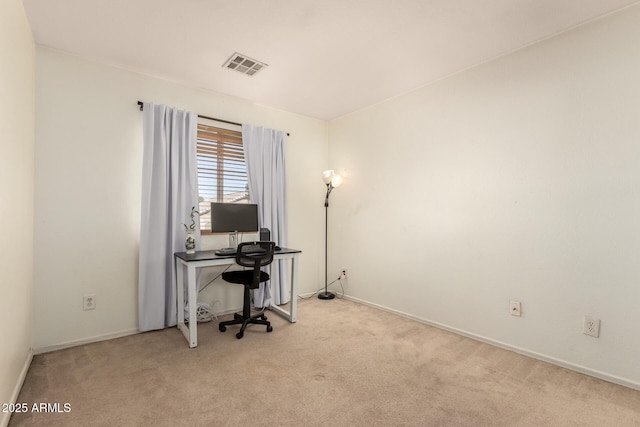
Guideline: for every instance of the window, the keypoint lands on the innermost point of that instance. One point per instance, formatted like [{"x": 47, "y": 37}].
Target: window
[{"x": 222, "y": 172}]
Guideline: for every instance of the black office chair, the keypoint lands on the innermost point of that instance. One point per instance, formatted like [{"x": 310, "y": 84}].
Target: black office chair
[{"x": 254, "y": 255}]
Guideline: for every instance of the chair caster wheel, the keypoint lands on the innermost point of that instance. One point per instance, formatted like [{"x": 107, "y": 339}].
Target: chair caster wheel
[
  {"x": 239, "y": 335},
  {"x": 222, "y": 328},
  {"x": 269, "y": 328}
]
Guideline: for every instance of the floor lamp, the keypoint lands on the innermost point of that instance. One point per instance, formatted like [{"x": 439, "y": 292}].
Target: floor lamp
[{"x": 332, "y": 180}]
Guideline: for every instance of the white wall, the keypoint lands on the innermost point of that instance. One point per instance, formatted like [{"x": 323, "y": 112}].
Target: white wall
[
  {"x": 518, "y": 179},
  {"x": 16, "y": 198},
  {"x": 87, "y": 198}
]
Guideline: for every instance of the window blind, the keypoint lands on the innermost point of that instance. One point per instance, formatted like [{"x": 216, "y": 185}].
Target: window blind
[{"x": 222, "y": 172}]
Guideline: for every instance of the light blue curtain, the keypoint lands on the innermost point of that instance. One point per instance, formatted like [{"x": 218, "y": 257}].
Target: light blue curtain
[
  {"x": 264, "y": 151},
  {"x": 169, "y": 190}
]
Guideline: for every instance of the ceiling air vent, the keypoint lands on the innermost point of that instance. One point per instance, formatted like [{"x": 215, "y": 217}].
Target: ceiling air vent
[{"x": 244, "y": 64}]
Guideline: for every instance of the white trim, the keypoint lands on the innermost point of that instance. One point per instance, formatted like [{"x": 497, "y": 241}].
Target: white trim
[
  {"x": 562, "y": 363},
  {"x": 4, "y": 420},
  {"x": 105, "y": 337},
  {"x": 88, "y": 340}
]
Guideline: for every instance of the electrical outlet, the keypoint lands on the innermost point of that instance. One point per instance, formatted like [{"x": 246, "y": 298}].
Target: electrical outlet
[
  {"x": 591, "y": 326},
  {"x": 515, "y": 308},
  {"x": 343, "y": 275},
  {"x": 89, "y": 302}
]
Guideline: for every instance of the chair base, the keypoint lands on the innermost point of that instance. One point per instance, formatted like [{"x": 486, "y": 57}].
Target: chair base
[
  {"x": 326, "y": 295},
  {"x": 238, "y": 319}
]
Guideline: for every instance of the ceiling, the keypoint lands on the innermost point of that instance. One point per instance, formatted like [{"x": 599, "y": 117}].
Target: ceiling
[{"x": 326, "y": 58}]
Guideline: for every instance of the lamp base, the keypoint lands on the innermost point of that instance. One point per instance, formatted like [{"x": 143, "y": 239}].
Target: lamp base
[{"x": 326, "y": 295}]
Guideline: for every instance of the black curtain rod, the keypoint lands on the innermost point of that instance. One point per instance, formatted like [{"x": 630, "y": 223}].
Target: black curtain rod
[{"x": 141, "y": 105}]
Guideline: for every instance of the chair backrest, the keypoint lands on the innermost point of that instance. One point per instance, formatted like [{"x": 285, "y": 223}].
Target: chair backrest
[{"x": 255, "y": 254}]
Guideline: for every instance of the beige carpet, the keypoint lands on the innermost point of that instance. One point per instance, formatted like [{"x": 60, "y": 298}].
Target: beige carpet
[{"x": 342, "y": 364}]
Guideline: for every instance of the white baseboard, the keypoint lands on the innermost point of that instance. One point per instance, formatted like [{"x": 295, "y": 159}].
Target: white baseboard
[
  {"x": 562, "y": 363},
  {"x": 88, "y": 340},
  {"x": 4, "y": 419},
  {"x": 105, "y": 337}
]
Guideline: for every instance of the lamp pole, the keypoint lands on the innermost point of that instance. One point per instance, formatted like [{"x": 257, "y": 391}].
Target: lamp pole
[
  {"x": 332, "y": 180},
  {"x": 326, "y": 294}
]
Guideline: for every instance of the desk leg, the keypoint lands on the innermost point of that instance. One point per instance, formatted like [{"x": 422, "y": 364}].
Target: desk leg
[
  {"x": 190, "y": 332},
  {"x": 192, "y": 296},
  {"x": 292, "y": 314},
  {"x": 294, "y": 289},
  {"x": 179, "y": 292}
]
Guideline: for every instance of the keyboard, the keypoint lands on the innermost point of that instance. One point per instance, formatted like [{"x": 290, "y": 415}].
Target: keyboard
[
  {"x": 247, "y": 250},
  {"x": 252, "y": 250},
  {"x": 225, "y": 251}
]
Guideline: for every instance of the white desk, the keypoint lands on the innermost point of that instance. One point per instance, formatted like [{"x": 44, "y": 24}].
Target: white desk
[{"x": 208, "y": 259}]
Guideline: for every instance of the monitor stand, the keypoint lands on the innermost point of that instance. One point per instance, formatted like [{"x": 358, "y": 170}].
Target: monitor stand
[{"x": 233, "y": 240}]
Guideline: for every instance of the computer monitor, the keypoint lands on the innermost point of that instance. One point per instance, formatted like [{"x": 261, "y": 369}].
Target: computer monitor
[{"x": 233, "y": 217}]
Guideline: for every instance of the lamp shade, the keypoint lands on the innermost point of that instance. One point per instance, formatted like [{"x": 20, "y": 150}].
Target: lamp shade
[
  {"x": 326, "y": 175},
  {"x": 330, "y": 177}
]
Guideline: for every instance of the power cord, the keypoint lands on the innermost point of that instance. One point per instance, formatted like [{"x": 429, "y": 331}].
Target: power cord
[
  {"x": 204, "y": 313},
  {"x": 339, "y": 279}
]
